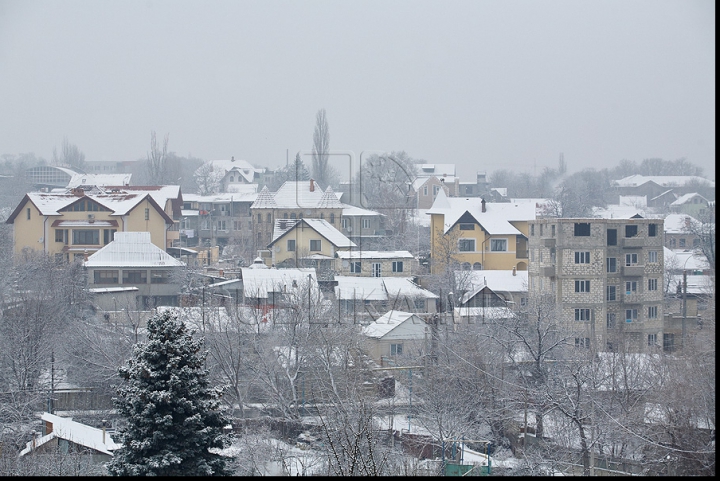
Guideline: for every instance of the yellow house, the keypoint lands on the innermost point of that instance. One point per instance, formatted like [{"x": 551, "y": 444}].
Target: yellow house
[
  {"x": 307, "y": 243},
  {"x": 473, "y": 235},
  {"x": 78, "y": 223}
]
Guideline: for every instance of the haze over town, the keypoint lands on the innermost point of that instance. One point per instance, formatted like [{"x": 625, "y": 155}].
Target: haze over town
[{"x": 476, "y": 83}]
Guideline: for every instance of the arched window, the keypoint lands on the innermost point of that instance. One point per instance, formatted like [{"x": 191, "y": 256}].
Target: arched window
[
  {"x": 293, "y": 216},
  {"x": 466, "y": 266},
  {"x": 477, "y": 266},
  {"x": 332, "y": 218}
]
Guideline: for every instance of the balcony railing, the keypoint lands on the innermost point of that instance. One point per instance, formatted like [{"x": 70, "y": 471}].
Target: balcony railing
[
  {"x": 547, "y": 271},
  {"x": 634, "y": 270},
  {"x": 549, "y": 242},
  {"x": 633, "y": 242}
]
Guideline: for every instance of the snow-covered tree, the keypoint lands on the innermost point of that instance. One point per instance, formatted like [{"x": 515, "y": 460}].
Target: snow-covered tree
[
  {"x": 208, "y": 179},
  {"x": 173, "y": 420}
]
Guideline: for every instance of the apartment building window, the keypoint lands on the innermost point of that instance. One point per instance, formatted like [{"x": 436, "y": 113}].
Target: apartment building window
[
  {"x": 159, "y": 277},
  {"x": 269, "y": 218},
  {"x": 315, "y": 245},
  {"x": 344, "y": 222},
  {"x": 28, "y": 213},
  {"x": 135, "y": 277},
  {"x": 498, "y": 245},
  {"x": 582, "y": 257},
  {"x": 86, "y": 237},
  {"x": 467, "y": 226},
  {"x": 376, "y": 269},
  {"x": 366, "y": 223},
  {"x": 397, "y": 266},
  {"x": 652, "y": 284},
  {"x": 611, "y": 320},
  {"x": 532, "y": 229},
  {"x": 631, "y": 230},
  {"x": 631, "y": 259},
  {"x": 582, "y": 286},
  {"x": 396, "y": 349},
  {"x": 668, "y": 342},
  {"x": 582, "y": 314},
  {"x": 466, "y": 245},
  {"x": 541, "y": 230},
  {"x": 652, "y": 230},
  {"x": 652, "y": 339},
  {"x": 630, "y": 287},
  {"x": 652, "y": 312},
  {"x": 237, "y": 225},
  {"x": 582, "y": 229},
  {"x": 291, "y": 245},
  {"x": 611, "y": 293},
  {"x": 611, "y": 263},
  {"x": 106, "y": 277},
  {"x": 221, "y": 225},
  {"x": 552, "y": 230},
  {"x": 582, "y": 342},
  {"x": 612, "y": 237},
  {"x": 653, "y": 256},
  {"x": 631, "y": 315},
  {"x": 356, "y": 267}
]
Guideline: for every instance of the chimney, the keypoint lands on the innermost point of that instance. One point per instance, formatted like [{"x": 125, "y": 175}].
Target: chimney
[
  {"x": 482, "y": 203},
  {"x": 514, "y": 270},
  {"x": 232, "y": 159},
  {"x": 312, "y": 185},
  {"x": 103, "y": 427},
  {"x": 78, "y": 192}
]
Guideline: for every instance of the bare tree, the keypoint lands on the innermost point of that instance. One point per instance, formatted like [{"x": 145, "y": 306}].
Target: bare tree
[
  {"x": 70, "y": 155},
  {"x": 323, "y": 172},
  {"x": 157, "y": 160}
]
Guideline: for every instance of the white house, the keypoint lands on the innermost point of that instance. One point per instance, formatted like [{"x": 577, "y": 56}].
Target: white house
[{"x": 397, "y": 334}]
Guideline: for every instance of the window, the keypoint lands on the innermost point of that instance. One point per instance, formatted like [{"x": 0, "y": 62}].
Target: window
[
  {"x": 611, "y": 293},
  {"x": 630, "y": 287},
  {"x": 221, "y": 225},
  {"x": 541, "y": 230},
  {"x": 147, "y": 213},
  {"x": 611, "y": 263},
  {"x": 159, "y": 277},
  {"x": 582, "y": 286},
  {"x": 356, "y": 267},
  {"x": 682, "y": 242},
  {"x": 552, "y": 230},
  {"x": 322, "y": 216},
  {"x": 366, "y": 224},
  {"x": 293, "y": 216},
  {"x": 696, "y": 242},
  {"x": 631, "y": 230},
  {"x": 61, "y": 235},
  {"x": 611, "y": 319},
  {"x": 582, "y": 258},
  {"x": 344, "y": 222},
  {"x": 582, "y": 229},
  {"x": 466, "y": 266},
  {"x": 652, "y": 230},
  {"x": 425, "y": 190},
  {"x": 436, "y": 189},
  {"x": 653, "y": 256},
  {"x": 28, "y": 213},
  {"x": 315, "y": 245},
  {"x": 419, "y": 303},
  {"x": 612, "y": 237},
  {"x": 532, "y": 229},
  {"x": 376, "y": 269},
  {"x": 396, "y": 349},
  {"x": 668, "y": 342},
  {"x": 631, "y": 259},
  {"x": 397, "y": 266},
  {"x": 106, "y": 277},
  {"x": 86, "y": 237},
  {"x": 269, "y": 218},
  {"x": 652, "y": 312},
  {"x": 498, "y": 245},
  {"x": 466, "y": 245},
  {"x": 477, "y": 266},
  {"x": 259, "y": 219},
  {"x": 332, "y": 218},
  {"x": 582, "y": 314},
  {"x": 652, "y": 284},
  {"x": 467, "y": 226},
  {"x": 652, "y": 338},
  {"x": 630, "y": 315},
  {"x": 291, "y": 245},
  {"x": 135, "y": 277},
  {"x": 582, "y": 342}
]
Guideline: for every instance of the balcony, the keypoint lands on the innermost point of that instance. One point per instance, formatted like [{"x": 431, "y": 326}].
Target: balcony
[
  {"x": 632, "y": 298},
  {"x": 550, "y": 243},
  {"x": 633, "y": 242},
  {"x": 634, "y": 270},
  {"x": 547, "y": 271}
]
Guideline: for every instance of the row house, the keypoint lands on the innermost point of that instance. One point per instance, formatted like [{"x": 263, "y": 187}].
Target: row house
[
  {"x": 606, "y": 278},
  {"x": 77, "y": 223}
]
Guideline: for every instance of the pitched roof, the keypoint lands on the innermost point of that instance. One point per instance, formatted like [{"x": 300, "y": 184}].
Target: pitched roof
[
  {"x": 243, "y": 167},
  {"x": 78, "y": 433},
  {"x": 389, "y": 321},
  {"x": 358, "y": 254},
  {"x": 258, "y": 282},
  {"x": 265, "y": 200},
  {"x": 663, "y": 180},
  {"x": 496, "y": 218},
  {"x": 132, "y": 249},
  {"x": 378, "y": 288},
  {"x": 322, "y": 227},
  {"x": 495, "y": 279},
  {"x": 679, "y": 223},
  {"x": 329, "y": 200},
  {"x": 354, "y": 211},
  {"x": 686, "y": 198},
  {"x": 101, "y": 180}
]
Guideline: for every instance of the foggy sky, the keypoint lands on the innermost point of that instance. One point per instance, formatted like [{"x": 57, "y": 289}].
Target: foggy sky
[{"x": 483, "y": 84}]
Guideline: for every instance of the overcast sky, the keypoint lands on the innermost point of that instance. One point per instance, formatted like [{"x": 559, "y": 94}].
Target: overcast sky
[{"x": 482, "y": 84}]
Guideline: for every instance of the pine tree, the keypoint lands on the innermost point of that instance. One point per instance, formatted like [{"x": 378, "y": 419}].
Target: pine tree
[{"x": 172, "y": 415}]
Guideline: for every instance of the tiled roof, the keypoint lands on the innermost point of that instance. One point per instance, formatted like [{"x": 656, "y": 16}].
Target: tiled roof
[
  {"x": 132, "y": 249},
  {"x": 329, "y": 200},
  {"x": 264, "y": 200}
]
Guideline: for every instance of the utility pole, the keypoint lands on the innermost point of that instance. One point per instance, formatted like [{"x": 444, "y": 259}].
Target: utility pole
[{"x": 684, "y": 308}]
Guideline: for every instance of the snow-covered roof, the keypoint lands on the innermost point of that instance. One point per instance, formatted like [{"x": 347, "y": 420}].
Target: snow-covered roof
[
  {"x": 265, "y": 200},
  {"x": 696, "y": 284},
  {"x": 687, "y": 198},
  {"x": 78, "y": 433},
  {"x": 159, "y": 193},
  {"x": 496, "y": 218},
  {"x": 329, "y": 200},
  {"x": 194, "y": 317},
  {"x": 322, "y": 227},
  {"x": 243, "y": 167},
  {"x": 298, "y": 195},
  {"x": 258, "y": 282},
  {"x": 496, "y": 279},
  {"x": 353, "y": 211},
  {"x": 224, "y": 197},
  {"x": 391, "y": 320},
  {"x": 663, "y": 180},
  {"x": 437, "y": 170},
  {"x": 615, "y": 211},
  {"x": 112, "y": 290},
  {"x": 378, "y": 288},
  {"x": 679, "y": 223},
  {"x": 357, "y": 254},
  {"x": 99, "y": 179},
  {"x": 242, "y": 188},
  {"x": 692, "y": 260},
  {"x": 132, "y": 249}
]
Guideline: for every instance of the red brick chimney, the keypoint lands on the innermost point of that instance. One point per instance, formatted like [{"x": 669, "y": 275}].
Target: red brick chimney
[{"x": 482, "y": 203}]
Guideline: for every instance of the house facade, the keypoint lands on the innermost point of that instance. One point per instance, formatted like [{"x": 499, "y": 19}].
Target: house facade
[
  {"x": 395, "y": 336},
  {"x": 376, "y": 263}
]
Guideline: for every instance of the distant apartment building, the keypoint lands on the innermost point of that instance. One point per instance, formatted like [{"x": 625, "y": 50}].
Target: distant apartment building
[{"x": 606, "y": 276}]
